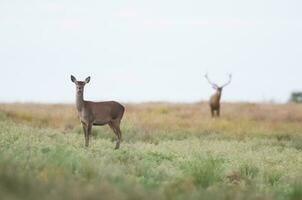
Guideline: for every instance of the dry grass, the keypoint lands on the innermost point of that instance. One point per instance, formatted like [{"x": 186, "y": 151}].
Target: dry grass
[
  {"x": 41, "y": 115},
  {"x": 237, "y": 118}
]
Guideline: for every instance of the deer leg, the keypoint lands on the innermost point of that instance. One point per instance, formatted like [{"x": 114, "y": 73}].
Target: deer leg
[
  {"x": 116, "y": 124},
  {"x": 116, "y": 132},
  {"x": 212, "y": 112},
  {"x": 85, "y": 134},
  {"x": 218, "y": 112},
  {"x": 88, "y": 135},
  {"x": 119, "y": 132}
]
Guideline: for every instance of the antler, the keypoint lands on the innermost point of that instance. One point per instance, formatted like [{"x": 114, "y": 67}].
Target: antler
[
  {"x": 230, "y": 80},
  {"x": 213, "y": 84}
]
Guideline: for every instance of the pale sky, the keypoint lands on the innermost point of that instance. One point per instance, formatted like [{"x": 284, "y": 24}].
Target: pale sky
[{"x": 155, "y": 50}]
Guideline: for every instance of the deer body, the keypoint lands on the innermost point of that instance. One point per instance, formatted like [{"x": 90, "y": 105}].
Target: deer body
[
  {"x": 97, "y": 113},
  {"x": 215, "y": 103},
  {"x": 215, "y": 98}
]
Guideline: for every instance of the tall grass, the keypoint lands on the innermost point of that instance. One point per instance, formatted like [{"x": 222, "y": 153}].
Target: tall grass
[{"x": 169, "y": 151}]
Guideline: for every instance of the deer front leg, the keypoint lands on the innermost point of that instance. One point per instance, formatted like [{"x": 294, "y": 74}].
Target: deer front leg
[
  {"x": 218, "y": 112},
  {"x": 212, "y": 112},
  {"x": 85, "y": 129},
  {"x": 88, "y": 133}
]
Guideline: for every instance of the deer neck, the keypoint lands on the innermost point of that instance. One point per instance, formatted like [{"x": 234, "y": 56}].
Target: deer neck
[
  {"x": 218, "y": 94},
  {"x": 79, "y": 101}
]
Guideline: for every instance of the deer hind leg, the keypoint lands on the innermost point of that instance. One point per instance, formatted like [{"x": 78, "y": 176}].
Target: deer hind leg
[
  {"x": 114, "y": 125},
  {"x": 118, "y": 129}
]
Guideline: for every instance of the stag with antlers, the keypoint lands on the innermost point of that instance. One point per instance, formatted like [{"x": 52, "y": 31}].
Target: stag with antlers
[{"x": 215, "y": 98}]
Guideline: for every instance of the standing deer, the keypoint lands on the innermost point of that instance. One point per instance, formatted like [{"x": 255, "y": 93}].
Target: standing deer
[
  {"x": 97, "y": 113},
  {"x": 215, "y": 98}
]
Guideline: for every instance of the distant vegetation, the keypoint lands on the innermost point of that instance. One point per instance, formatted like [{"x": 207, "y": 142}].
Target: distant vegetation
[
  {"x": 169, "y": 151},
  {"x": 296, "y": 97}
]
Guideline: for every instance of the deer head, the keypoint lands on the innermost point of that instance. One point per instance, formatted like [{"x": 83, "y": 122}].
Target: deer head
[
  {"x": 215, "y": 86},
  {"x": 80, "y": 84}
]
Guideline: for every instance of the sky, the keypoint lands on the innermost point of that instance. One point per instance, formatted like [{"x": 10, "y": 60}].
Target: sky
[{"x": 137, "y": 51}]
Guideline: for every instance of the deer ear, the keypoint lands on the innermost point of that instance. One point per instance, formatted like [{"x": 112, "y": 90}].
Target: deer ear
[
  {"x": 87, "y": 79},
  {"x": 73, "y": 79}
]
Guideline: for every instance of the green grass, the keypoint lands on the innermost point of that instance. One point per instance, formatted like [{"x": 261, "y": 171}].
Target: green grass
[{"x": 46, "y": 164}]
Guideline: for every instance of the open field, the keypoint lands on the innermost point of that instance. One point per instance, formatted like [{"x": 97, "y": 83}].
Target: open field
[{"x": 169, "y": 151}]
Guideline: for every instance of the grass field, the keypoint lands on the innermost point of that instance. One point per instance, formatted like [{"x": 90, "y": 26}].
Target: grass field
[{"x": 169, "y": 151}]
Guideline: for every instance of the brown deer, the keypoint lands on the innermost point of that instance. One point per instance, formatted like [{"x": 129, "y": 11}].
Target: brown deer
[
  {"x": 215, "y": 98},
  {"x": 97, "y": 113}
]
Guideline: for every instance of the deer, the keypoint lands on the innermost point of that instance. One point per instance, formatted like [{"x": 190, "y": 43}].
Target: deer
[
  {"x": 97, "y": 113},
  {"x": 214, "y": 101}
]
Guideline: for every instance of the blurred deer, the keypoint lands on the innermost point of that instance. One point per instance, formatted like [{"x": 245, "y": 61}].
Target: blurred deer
[
  {"x": 97, "y": 113},
  {"x": 215, "y": 98}
]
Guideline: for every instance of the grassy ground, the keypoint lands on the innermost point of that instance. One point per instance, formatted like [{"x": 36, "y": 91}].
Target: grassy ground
[{"x": 170, "y": 151}]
